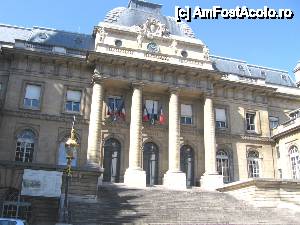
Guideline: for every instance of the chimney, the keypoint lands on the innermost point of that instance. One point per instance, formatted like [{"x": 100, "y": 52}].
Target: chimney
[{"x": 297, "y": 74}]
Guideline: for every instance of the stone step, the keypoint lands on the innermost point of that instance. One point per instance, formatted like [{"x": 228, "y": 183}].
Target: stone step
[{"x": 118, "y": 204}]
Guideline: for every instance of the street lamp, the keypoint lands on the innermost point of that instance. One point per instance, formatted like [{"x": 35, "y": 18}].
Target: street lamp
[{"x": 71, "y": 147}]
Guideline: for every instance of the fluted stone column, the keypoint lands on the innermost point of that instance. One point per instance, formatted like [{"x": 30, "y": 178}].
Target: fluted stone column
[
  {"x": 135, "y": 176},
  {"x": 174, "y": 178},
  {"x": 94, "y": 149},
  {"x": 211, "y": 179}
]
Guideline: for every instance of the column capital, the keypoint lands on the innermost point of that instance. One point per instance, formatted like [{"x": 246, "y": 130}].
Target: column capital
[
  {"x": 137, "y": 85},
  {"x": 98, "y": 78},
  {"x": 174, "y": 90}
]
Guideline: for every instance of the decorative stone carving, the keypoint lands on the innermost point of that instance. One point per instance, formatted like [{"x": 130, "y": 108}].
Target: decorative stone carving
[
  {"x": 100, "y": 35},
  {"x": 174, "y": 47},
  {"x": 152, "y": 27},
  {"x": 206, "y": 52}
]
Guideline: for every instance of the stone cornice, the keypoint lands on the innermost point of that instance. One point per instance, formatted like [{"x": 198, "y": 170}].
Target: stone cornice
[
  {"x": 61, "y": 57},
  {"x": 47, "y": 117}
]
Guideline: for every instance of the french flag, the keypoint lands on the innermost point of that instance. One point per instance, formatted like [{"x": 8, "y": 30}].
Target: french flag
[
  {"x": 145, "y": 115},
  {"x": 161, "y": 116}
]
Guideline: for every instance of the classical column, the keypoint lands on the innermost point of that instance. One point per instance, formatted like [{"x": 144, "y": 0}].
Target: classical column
[
  {"x": 135, "y": 176},
  {"x": 174, "y": 178},
  {"x": 94, "y": 151},
  {"x": 211, "y": 179}
]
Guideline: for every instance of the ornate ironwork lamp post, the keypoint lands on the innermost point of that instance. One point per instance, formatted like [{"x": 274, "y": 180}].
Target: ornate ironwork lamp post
[{"x": 71, "y": 147}]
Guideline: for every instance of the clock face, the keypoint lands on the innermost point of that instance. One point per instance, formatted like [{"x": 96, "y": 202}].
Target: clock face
[{"x": 153, "y": 47}]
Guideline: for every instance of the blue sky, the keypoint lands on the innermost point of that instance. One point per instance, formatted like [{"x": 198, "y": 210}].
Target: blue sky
[{"x": 270, "y": 43}]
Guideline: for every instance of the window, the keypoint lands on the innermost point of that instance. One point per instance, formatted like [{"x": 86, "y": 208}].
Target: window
[
  {"x": 186, "y": 114},
  {"x": 295, "y": 162},
  {"x": 280, "y": 173},
  {"x": 32, "y": 96},
  {"x": 15, "y": 206},
  {"x": 223, "y": 165},
  {"x": 152, "y": 109},
  {"x": 253, "y": 164},
  {"x": 220, "y": 118},
  {"x": 115, "y": 106},
  {"x": 250, "y": 119},
  {"x": 62, "y": 160},
  {"x": 274, "y": 121},
  {"x": 278, "y": 152},
  {"x": 25, "y": 146},
  {"x": 73, "y": 101}
]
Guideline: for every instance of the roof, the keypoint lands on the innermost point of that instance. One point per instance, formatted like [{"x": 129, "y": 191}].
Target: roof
[
  {"x": 139, "y": 11},
  {"x": 47, "y": 36},
  {"x": 242, "y": 68}
]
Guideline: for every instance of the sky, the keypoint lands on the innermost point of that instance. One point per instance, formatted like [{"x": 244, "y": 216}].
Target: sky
[{"x": 269, "y": 43}]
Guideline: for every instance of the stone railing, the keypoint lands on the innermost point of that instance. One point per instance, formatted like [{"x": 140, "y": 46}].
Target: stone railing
[
  {"x": 286, "y": 126},
  {"x": 261, "y": 192},
  {"x": 48, "y": 48}
]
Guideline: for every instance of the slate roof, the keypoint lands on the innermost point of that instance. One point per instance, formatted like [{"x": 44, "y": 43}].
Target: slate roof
[
  {"x": 241, "y": 68},
  {"x": 85, "y": 42},
  {"x": 71, "y": 40}
]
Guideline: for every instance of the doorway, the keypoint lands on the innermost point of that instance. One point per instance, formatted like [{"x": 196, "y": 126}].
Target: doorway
[
  {"x": 187, "y": 161},
  {"x": 150, "y": 163},
  {"x": 111, "y": 164}
]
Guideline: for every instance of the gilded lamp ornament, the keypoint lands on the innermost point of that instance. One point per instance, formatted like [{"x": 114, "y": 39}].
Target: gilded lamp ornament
[{"x": 71, "y": 147}]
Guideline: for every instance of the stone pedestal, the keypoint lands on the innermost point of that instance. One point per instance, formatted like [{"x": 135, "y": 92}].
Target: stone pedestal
[
  {"x": 135, "y": 178},
  {"x": 211, "y": 182},
  {"x": 175, "y": 180}
]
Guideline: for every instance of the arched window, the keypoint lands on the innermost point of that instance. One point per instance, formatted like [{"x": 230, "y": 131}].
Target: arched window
[
  {"x": 15, "y": 206},
  {"x": 62, "y": 160},
  {"x": 253, "y": 164},
  {"x": 25, "y": 146},
  {"x": 295, "y": 162},
  {"x": 223, "y": 165}
]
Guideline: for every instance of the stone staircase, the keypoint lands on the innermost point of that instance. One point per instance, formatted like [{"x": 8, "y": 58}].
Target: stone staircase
[{"x": 118, "y": 204}]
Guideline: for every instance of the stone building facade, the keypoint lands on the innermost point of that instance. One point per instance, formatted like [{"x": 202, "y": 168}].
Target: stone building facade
[{"x": 152, "y": 105}]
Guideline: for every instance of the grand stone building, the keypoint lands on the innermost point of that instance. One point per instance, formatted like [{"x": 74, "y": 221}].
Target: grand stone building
[{"x": 152, "y": 106}]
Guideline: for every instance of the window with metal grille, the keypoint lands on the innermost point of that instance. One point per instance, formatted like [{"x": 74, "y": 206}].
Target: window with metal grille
[
  {"x": 15, "y": 206},
  {"x": 32, "y": 96},
  {"x": 73, "y": 99},
  {"x": 295, "y": 162},
  {"x": 250, "y": 119},
  {"x": 223, "y": 165},
  {"x": 253, "y": 164},
  {"x": 25, "y": 146}
]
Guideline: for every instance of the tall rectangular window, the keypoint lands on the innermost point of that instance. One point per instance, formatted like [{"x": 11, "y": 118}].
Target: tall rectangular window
[
  {"x": 274, "y": 122},
  {"x": 114, "y": 103},
  {"x": 221, "y": 118},
  {"x": 32, "y": 96},
  {"x": 250, "y": 120},
  {"x": 152, "y": 108},
  {"x": 73, "y": 99},
  {"x": 186, "y": 114}
]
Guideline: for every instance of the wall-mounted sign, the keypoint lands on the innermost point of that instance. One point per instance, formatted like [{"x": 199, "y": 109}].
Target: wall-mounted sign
[{"x": 41, "y": 183}]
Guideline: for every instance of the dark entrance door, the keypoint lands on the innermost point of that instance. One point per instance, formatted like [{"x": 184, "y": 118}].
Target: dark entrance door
[
  {"x": 187, "y": 164},
  {"x": 150, "y": 163},
  {"x": 111, "y": 164}
]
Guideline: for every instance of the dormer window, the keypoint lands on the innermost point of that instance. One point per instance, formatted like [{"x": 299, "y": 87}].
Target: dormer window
[
  {"x": 240, "y": 67},
  {"x": 263, "y": 73}
]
